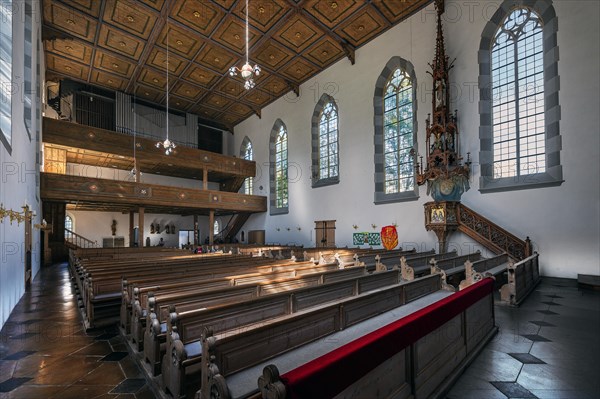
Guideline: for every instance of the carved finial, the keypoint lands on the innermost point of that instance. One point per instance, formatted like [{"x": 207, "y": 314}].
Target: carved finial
[
  {"x": 213, "y": 383},
  {"x": 270, "y": 385},
  {"x": 408, "y": 273}
]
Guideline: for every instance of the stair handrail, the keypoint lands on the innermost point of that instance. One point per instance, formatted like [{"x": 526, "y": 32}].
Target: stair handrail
[
  {"x": 513, "y": 245},
  {"x": 78, "y": 240}
]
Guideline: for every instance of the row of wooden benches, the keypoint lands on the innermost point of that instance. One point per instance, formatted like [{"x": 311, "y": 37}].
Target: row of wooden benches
[
  {"x": 162, "y": 316},
  {"x": 100, "y": 280},
  {"x": 326, "y": 282}
]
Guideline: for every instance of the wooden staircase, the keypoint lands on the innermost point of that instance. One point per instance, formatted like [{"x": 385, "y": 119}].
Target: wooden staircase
[
  {"x": 235, "y": 225},
  {"x": 490, "y": 235},
  {"x": 233, "y": 184},
  {"x": 76, "y": 241}
]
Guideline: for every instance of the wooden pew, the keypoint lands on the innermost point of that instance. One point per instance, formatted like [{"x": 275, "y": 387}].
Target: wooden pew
[
  {"x": 523, "y": 277},
  {"x": 369, "y": 259},
  {"x": 253, "y": 333},
  {"x": 445, "y": 261},
  {"x": 148, "y": 284},
  {"x": 84, "y": 268},
  {"x": 160, "y": 281},
  {"x": 140, "y": 312},
  {"x": 417, "y": 356},
  {"x": 163, "y": 303},
  {"x": 102, "y": 289},
  {"x": 150, "y": 305},
  {"x": 456, "y": 273}
]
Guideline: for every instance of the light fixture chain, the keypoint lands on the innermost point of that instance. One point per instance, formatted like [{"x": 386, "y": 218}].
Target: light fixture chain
[
  {"x": 247, "y": 50},
  {"x": 167, "y": 77}
]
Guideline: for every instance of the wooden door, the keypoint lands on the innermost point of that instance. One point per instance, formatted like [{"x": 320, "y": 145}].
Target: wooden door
[{"x": 325, "y": 233}]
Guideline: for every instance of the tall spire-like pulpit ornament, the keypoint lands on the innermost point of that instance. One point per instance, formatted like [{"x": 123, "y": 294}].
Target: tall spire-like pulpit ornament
[{"x": 442, "y": 170}]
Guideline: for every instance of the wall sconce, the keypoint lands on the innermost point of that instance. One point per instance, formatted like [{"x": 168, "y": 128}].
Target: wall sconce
[
  {"x": 299, "y": 228},
  {"x": 374, "y": 226},
  {"x": 42, "y": 225},
  {"x": 355, "y": 226},
  {"x": 288, "y": 229},
  {"x": 278, "y": 229},
  {"x": 12, "y": 215}
]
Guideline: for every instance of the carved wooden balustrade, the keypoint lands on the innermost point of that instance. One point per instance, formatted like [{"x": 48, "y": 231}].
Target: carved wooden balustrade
[
  {"x": 491, "y": 235},
  {"x": 76, "y": 241}
]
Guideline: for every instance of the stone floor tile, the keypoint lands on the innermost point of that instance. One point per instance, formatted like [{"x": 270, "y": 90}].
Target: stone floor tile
[
  {"x": 7, "y": 367},
  {"x": 535, "y": 338},
  {"x": 82, "y": 392},
  {"x": 526, "y": 358},
  {"x": 130, "y": 385},
  {"x": 114, "y": 356},
  {"x": 18, "y": 355},
  {"x": 97, "y": 348},
  {"x": 12, "y": 383},
  {"x": 513, "y": 389},
  {"x": 561, "y": 394},
  {"x": 108, "y": 373},
  {"x": 35, "y": 391}
]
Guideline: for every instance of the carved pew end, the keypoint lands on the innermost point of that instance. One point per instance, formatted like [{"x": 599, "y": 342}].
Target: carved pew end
[{"x": 270, "y": 385}]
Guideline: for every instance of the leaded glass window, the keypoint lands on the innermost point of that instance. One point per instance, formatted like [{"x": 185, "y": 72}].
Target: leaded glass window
[
  {"x": 398, "y": 133},
  {"x": 6, "y": 15},
  {"x": 517, "y": 73},
  {"x": 328, "y": 142},
  {"x": 68, "y": 226},
  {"x": 281, "y": 169},
  {"x": 248, "y": 156}
]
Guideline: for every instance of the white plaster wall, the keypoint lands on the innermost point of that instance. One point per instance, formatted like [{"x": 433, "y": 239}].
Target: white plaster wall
[
  {"x": 563, "y": 222},
  {"x": 97, "y": 225},
  {"x": 17, "y": 184},
  {"x": 124, "y": 175}
]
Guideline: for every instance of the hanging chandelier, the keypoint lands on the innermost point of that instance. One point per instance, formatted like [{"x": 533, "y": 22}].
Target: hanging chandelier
[
  {"x": 168, "y": 145},
  {"x": 246, "y": 71}
]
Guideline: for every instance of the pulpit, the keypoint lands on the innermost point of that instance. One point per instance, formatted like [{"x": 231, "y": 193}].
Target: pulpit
[{"x": 443, "y": 171}]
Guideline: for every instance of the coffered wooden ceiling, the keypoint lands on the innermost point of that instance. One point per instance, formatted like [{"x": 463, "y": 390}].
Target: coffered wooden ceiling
[{"x": 121, "y": 45}]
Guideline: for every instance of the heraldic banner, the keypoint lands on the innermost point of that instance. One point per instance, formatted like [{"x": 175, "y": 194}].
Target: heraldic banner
[{"x": 389, "y": 237}]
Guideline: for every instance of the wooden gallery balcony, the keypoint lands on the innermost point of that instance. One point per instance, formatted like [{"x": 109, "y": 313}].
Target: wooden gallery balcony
[
  {"x": 103, "y": 194},
  {"x": 71, "y": 143}
]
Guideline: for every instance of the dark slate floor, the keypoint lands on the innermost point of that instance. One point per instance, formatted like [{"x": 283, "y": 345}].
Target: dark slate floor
[
  {"x": 549, "y": 348},
  {"x": 46, "y": 353}
]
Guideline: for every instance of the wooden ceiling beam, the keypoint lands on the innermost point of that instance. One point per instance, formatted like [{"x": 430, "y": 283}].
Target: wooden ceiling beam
[
  {"x": 98, "y": 26},
  {"x": 151, "y": 42},
  {"x": 349, "y": 50}
]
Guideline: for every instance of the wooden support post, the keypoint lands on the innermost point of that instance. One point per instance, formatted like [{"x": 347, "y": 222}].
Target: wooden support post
[
  {"x": 211, "y": 225},
  {"x": 196, "y": 232},
  {"x": 131, "y": 229},
  {"x": 205, "y": 179},
  {"x": 141, "y": 227},
  {"x": 47, "y": 251}
]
